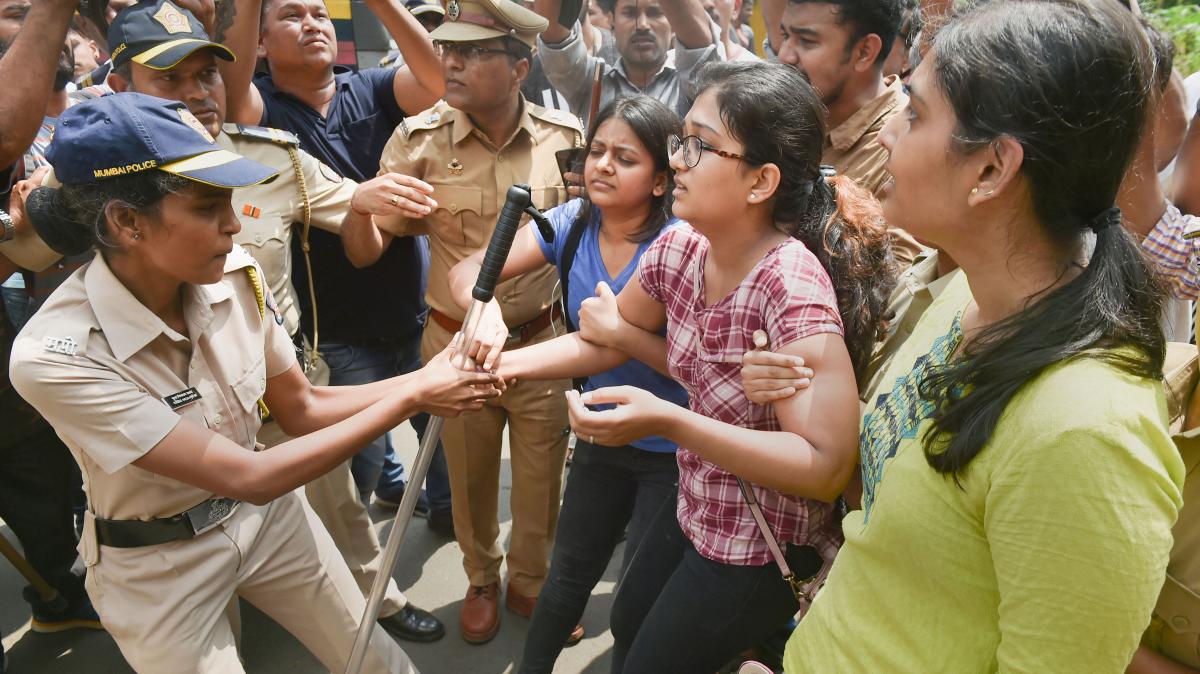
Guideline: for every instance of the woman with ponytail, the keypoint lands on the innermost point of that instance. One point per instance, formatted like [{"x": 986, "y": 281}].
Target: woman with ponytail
[
  {"x": 770, "y": 244},
  {"x": 155, "y": 363},
  {"x": 1019, "y": 482}
]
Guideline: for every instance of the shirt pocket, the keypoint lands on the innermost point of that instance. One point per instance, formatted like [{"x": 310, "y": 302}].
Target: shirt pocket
[
  {"x": 458, "y": 218},
  {"x": 267, "y": 244},
  {"x": 249, "y": 388}
]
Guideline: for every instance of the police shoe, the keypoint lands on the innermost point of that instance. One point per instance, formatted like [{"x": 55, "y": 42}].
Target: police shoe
[
  {"x": 59, "y": 615},
  {"x": 413, "y": 624},
  {"x": 480, "y": 613}
]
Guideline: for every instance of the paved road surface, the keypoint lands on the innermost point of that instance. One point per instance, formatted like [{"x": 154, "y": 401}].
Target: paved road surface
[{"x": 430, "y": 573}]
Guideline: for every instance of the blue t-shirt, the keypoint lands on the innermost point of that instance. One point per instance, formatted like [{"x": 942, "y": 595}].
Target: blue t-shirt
[
  {"x": 586, "y": 271},
  {"x": 350, "y": 138}
]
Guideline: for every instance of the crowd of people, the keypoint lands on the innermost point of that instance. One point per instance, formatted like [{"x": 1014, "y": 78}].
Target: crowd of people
[{"x": 870, "y": 335}]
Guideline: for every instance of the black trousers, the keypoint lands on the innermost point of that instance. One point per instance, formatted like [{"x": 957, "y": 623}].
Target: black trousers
[
  {"x": 39, "y": 486},
  {"x": 676, "y": 611},
  {"x": 607, "y": 489}
]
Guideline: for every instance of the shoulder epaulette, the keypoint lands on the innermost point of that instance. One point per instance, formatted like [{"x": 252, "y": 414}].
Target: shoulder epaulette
[
  {"x": 277, "y": 136},
  {"x": 557, "y": 117},
  {"x": 432, "y": 118},
  {"x": 238, "y": 258}
]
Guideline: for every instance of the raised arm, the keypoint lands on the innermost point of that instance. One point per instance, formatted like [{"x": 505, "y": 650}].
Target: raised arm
[
  {"x": 550, "y": 9},
  {"x": 773, "y": 19},
  {"x": 692, "y": 26},
  {"x": 27, "y": 71},
  {"x": 238, "y": 25},
  {"x": 419, "y": 83}
]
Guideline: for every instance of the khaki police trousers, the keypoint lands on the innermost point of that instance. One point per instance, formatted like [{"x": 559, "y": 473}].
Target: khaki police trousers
[
  {"x": 536, "y": 415},
  {"x": 165, "y": 605},
  {"x": 334, "y": 498}
]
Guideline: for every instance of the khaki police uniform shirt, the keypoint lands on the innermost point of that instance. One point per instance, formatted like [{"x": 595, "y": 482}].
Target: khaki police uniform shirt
[
  {"x": 853, "y": 148},
  {"x": 470, "y": 178},
  {"x": 100, "y": 367},
  {"x": 915, "y": 290},
  {"x": 269, "y": 211}
]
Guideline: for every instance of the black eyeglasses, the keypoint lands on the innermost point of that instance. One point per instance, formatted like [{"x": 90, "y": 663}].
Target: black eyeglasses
[
  {"x": 693, "y": 148},
  {"x": 466, "y": 51}
]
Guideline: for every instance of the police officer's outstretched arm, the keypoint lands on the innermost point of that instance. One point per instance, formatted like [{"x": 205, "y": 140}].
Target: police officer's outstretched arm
[
  {"x": 337, "y": 422},
  {"x": 158, "y": 353}
]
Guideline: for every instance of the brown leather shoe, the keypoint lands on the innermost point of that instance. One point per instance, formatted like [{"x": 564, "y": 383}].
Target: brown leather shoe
[
  {"x": 518, "y": 603},
  {"x": 481, "y": 613},
  {"x": 523, "y": 606}
]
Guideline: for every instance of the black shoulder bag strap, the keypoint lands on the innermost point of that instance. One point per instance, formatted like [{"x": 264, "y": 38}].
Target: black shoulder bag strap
[{"x": 570, "y": 248}]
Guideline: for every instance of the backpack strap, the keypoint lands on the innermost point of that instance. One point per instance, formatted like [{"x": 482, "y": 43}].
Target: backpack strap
[{"x": 570, "y": 248}]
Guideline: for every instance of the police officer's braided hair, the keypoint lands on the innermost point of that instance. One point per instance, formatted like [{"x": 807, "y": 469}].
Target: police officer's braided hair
[{"x": 71, "y": 219}]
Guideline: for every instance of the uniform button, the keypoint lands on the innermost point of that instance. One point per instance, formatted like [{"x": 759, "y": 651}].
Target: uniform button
[
  {"x": 500, "y": 157},
  {"x": 453, "y": 208},
  {"x": 218, "y": 419},
  {"x": 193, "y": 365},
  {"x": 1180, "y": 622},
  {"x": 258, "y": 238}
]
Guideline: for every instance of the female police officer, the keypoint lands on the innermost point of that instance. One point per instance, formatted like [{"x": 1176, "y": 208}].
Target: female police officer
[{"x": 152, "y": 362}]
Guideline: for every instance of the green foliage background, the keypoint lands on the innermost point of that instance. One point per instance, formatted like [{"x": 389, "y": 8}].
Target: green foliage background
[{"x": 1181, "y": 19}]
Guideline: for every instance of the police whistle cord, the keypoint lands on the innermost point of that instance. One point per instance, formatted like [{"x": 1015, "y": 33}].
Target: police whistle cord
[{"x": 516, "y": 204}]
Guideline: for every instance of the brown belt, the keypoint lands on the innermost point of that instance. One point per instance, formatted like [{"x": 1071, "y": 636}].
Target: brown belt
[{"x": 516, "y": 336}]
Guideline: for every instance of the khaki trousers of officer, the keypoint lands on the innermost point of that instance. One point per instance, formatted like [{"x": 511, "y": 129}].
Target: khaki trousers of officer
[
  {"x": 536, "y": 414},
  {"x": 334, "y": 498},
  {"x": 165, "y": 604}
]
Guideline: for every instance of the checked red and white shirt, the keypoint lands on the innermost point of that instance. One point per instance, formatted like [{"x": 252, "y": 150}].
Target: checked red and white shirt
[{"x": 788, "y": 295}]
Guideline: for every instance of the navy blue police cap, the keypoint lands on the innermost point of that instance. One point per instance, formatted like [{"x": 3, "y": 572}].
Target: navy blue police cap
[
  {"x": 158, "y": 34},
  {"x": 124, "y": 134}
]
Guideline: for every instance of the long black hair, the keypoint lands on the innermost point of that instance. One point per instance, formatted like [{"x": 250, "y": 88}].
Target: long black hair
[
  {"x": 653, "y": 123},
  {"x": 1070, "y": 81},
  {"x": 779, "y": 119}
]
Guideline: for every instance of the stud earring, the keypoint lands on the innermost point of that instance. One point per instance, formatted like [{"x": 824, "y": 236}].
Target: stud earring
[
  {"x": 753, "y": 197},
  {"x": 137, "y": 236},
  {"x": 974, "y": 191}
]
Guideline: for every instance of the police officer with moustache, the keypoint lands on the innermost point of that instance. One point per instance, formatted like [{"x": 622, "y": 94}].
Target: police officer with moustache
[
  {"x": 162, "y": 50},
  {"x": 152, "y": 363},
  {"x": 483, "y": 138}
]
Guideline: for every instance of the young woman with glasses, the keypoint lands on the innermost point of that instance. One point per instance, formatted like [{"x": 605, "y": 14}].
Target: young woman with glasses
[{"x": 770, "y": 244}]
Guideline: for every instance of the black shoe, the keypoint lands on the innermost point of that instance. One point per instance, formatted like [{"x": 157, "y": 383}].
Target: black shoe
[
  {"x": 60, "y": 615},
  {"x": 442, "y": 522},
  {"x": 391, "y": 501},
  {"x": 413, "y": 624}
]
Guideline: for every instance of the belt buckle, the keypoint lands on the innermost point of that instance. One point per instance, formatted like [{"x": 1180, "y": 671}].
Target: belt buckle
[
  {"x": 516, "y": 337},
  {"x": 209, "y": 514}
]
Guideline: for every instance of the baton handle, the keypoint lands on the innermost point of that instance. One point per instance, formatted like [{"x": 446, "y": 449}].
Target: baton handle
[{"x": 515, "y": 203}]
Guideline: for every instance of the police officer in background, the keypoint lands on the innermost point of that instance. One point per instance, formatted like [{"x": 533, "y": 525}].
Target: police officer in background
[
  {"x": 152, "y": 364},
  {"x": 186, "y": 70},
  {"x": 483, "y": 138}
]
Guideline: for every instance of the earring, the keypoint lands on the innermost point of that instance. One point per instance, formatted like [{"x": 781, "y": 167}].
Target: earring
[
  {"x": 137, "y": 236},
  {"x": 974, "y": 191},
  {"x": 753, "y": 197}
]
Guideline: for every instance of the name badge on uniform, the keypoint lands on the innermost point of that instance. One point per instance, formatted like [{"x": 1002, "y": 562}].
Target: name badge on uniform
[
  {"x": 185, "y": 397},
  {"x": 63, "y": 345}
]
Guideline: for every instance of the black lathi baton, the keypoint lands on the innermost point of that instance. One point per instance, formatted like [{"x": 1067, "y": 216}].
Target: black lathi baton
[{"x": 515, "y": 205}]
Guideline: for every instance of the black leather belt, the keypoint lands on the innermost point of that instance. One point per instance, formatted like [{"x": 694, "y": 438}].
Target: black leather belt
[{"x": 187, "y": 524}]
